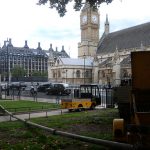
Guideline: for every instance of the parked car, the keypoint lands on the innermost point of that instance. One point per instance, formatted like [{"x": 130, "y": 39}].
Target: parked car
[
  {"x": 43, "y": 87},
  {"x": 3, "y": 86},
  {"x": 58, "y": 89},
  {"x": 17, "y": 85}
]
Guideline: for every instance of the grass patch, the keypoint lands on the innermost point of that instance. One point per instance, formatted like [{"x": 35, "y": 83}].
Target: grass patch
[
  {"x": 97, "y": 123},
  {"x": 23, "y": 105}
]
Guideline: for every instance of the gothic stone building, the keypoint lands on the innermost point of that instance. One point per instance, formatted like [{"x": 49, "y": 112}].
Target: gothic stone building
[
  {"x": 114, "y": 51},
  {"x": 110, "y": 53}
]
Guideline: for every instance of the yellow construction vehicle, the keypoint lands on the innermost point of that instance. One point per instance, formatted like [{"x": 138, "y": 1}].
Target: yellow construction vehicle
[
  {"x": 134, "y": 104},
  {"x": 87, "y": 96}
]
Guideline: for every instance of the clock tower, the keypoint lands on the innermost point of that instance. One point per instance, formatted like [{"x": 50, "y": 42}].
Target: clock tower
[{"x": 89, "y": 25}]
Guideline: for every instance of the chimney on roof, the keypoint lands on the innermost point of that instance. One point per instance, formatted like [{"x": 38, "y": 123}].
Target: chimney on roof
[
  {"x": 50, "y": 49},
  {"x": 50, "y": 45},
  {"x": 4, "y": 44},
  {"x": 9, "y": 42},
  {"x": 39, "y": 46},
  {"x": 26, "y": 44},
  {"x": 62, "y": 48},
  {"x": 56, "y": 49}
]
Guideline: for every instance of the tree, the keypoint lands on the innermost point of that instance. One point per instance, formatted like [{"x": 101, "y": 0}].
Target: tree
[
  {"x": 60, "y": 5},
  {"x": 39, "y": 74},
  {"x": 18, "y": 71}
]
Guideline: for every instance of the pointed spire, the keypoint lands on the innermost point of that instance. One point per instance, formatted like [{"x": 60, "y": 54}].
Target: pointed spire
[
  {"x": 106, "y": 22},
  {"x": 142, "y": 46},
  {"x": 116, "y": 55},
  {"x": 106, "y": 25}
]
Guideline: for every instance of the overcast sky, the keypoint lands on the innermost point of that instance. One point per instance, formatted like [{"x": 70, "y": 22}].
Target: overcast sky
[{"x": 24, "y": 20}]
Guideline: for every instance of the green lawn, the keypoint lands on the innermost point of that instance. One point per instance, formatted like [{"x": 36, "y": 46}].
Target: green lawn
[
  {"x": 23, "y": 105},
  {"x": 97, "y": 123}
]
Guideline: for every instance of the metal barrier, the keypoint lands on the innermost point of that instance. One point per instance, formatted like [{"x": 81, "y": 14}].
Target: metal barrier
[
  {"x": 106, "y": 97},
  {"x": 106, "y": 143}
]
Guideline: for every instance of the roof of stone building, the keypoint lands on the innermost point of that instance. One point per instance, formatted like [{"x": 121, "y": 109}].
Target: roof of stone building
[
  {"x": 26, "y": 51},
  {"x": 23, "y": 51},
  {"x": 127, "y": 38},
  {"x": 55, "y": 53},
  {"x": 126, "y": 61},
  {"x": 106, "y": 63},
  {"x": 77, "y": 61}
]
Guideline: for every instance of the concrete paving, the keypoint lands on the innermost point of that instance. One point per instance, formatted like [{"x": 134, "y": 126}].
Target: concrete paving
[
  {"x": 48, "y": 100},
  {"x": 34, "y": 115},
  {"x": 37, "y": 114}
]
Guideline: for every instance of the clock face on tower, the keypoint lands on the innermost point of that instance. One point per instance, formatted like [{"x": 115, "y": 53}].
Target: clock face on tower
[
  {"x": 84, "y": 19},
  {"x": 94, "y": 19}
]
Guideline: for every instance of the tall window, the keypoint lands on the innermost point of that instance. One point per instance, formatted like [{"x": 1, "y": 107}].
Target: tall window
[
  {"x": 87, "y": 73},
  {"x": 59, "y": 74},
  {"x": 78, "y": 74},
  {"x": 53, "y": 74}
]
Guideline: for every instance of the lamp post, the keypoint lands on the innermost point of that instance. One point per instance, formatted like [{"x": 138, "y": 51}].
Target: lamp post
[
  {"x": 84, "y": 68},
  {"x": 7, "y": 42},
  {"x": 66, "y": 75}
]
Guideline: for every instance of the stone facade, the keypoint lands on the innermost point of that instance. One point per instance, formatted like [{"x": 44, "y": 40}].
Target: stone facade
[
  {"x": 29, "y": 59},
  {"x": 110, "y": 54},
  {"x": 72, "y": 71},
  {"x": 114, "y": 51},
  {"x": 89, "y": 25}
]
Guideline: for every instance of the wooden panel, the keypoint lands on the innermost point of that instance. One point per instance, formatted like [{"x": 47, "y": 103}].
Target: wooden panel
[{"x": 140, "y": 63}]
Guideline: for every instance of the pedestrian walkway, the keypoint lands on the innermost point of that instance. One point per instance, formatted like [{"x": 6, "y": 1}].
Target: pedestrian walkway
[
  {"x": 30, "y": 99},
  {"x": 34, "y": 115},
  {"x": 30, "y": 114}
]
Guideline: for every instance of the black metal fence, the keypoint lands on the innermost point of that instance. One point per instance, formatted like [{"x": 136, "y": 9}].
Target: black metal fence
[
  {"x": 29, "y": 79},
  {"x": 107, "y": 97},
  {"x": 107, "y": 100}
]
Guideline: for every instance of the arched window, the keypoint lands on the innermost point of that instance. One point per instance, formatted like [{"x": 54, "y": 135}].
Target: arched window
[
  {"x": 78, "y": 74},
  {"x": 58, "y": 61},
  {"x": 53, "y": 74},
  {"x": 59, "y": 74},
  {"x": 87, "y": 73},
  {"x": 99, "y": 74}
]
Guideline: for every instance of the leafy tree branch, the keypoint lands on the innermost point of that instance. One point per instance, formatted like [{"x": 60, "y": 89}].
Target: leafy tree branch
[{"x": 60, "y": 5}]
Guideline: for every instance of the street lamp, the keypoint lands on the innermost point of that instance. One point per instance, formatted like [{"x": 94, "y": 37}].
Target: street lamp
[
  {"x": 84, "y": 67},
  {"x": 7, "y": 44},
  {"x": 66, "y": 75}
]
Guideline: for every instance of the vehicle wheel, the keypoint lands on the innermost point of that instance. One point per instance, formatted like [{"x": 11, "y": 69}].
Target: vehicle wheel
[
  {"x": 60, "y": 93},
  {"x": 70, "y": 110},
  {"x": 80, "y": 108},
  {"x": 92, "y": 107}
]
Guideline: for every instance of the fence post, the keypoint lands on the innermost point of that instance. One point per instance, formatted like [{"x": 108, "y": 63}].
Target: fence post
[
  {"x": 10, "y": 117},
  {"x": 29, "y": 115},
  {"x": 46, "y": 114}
]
